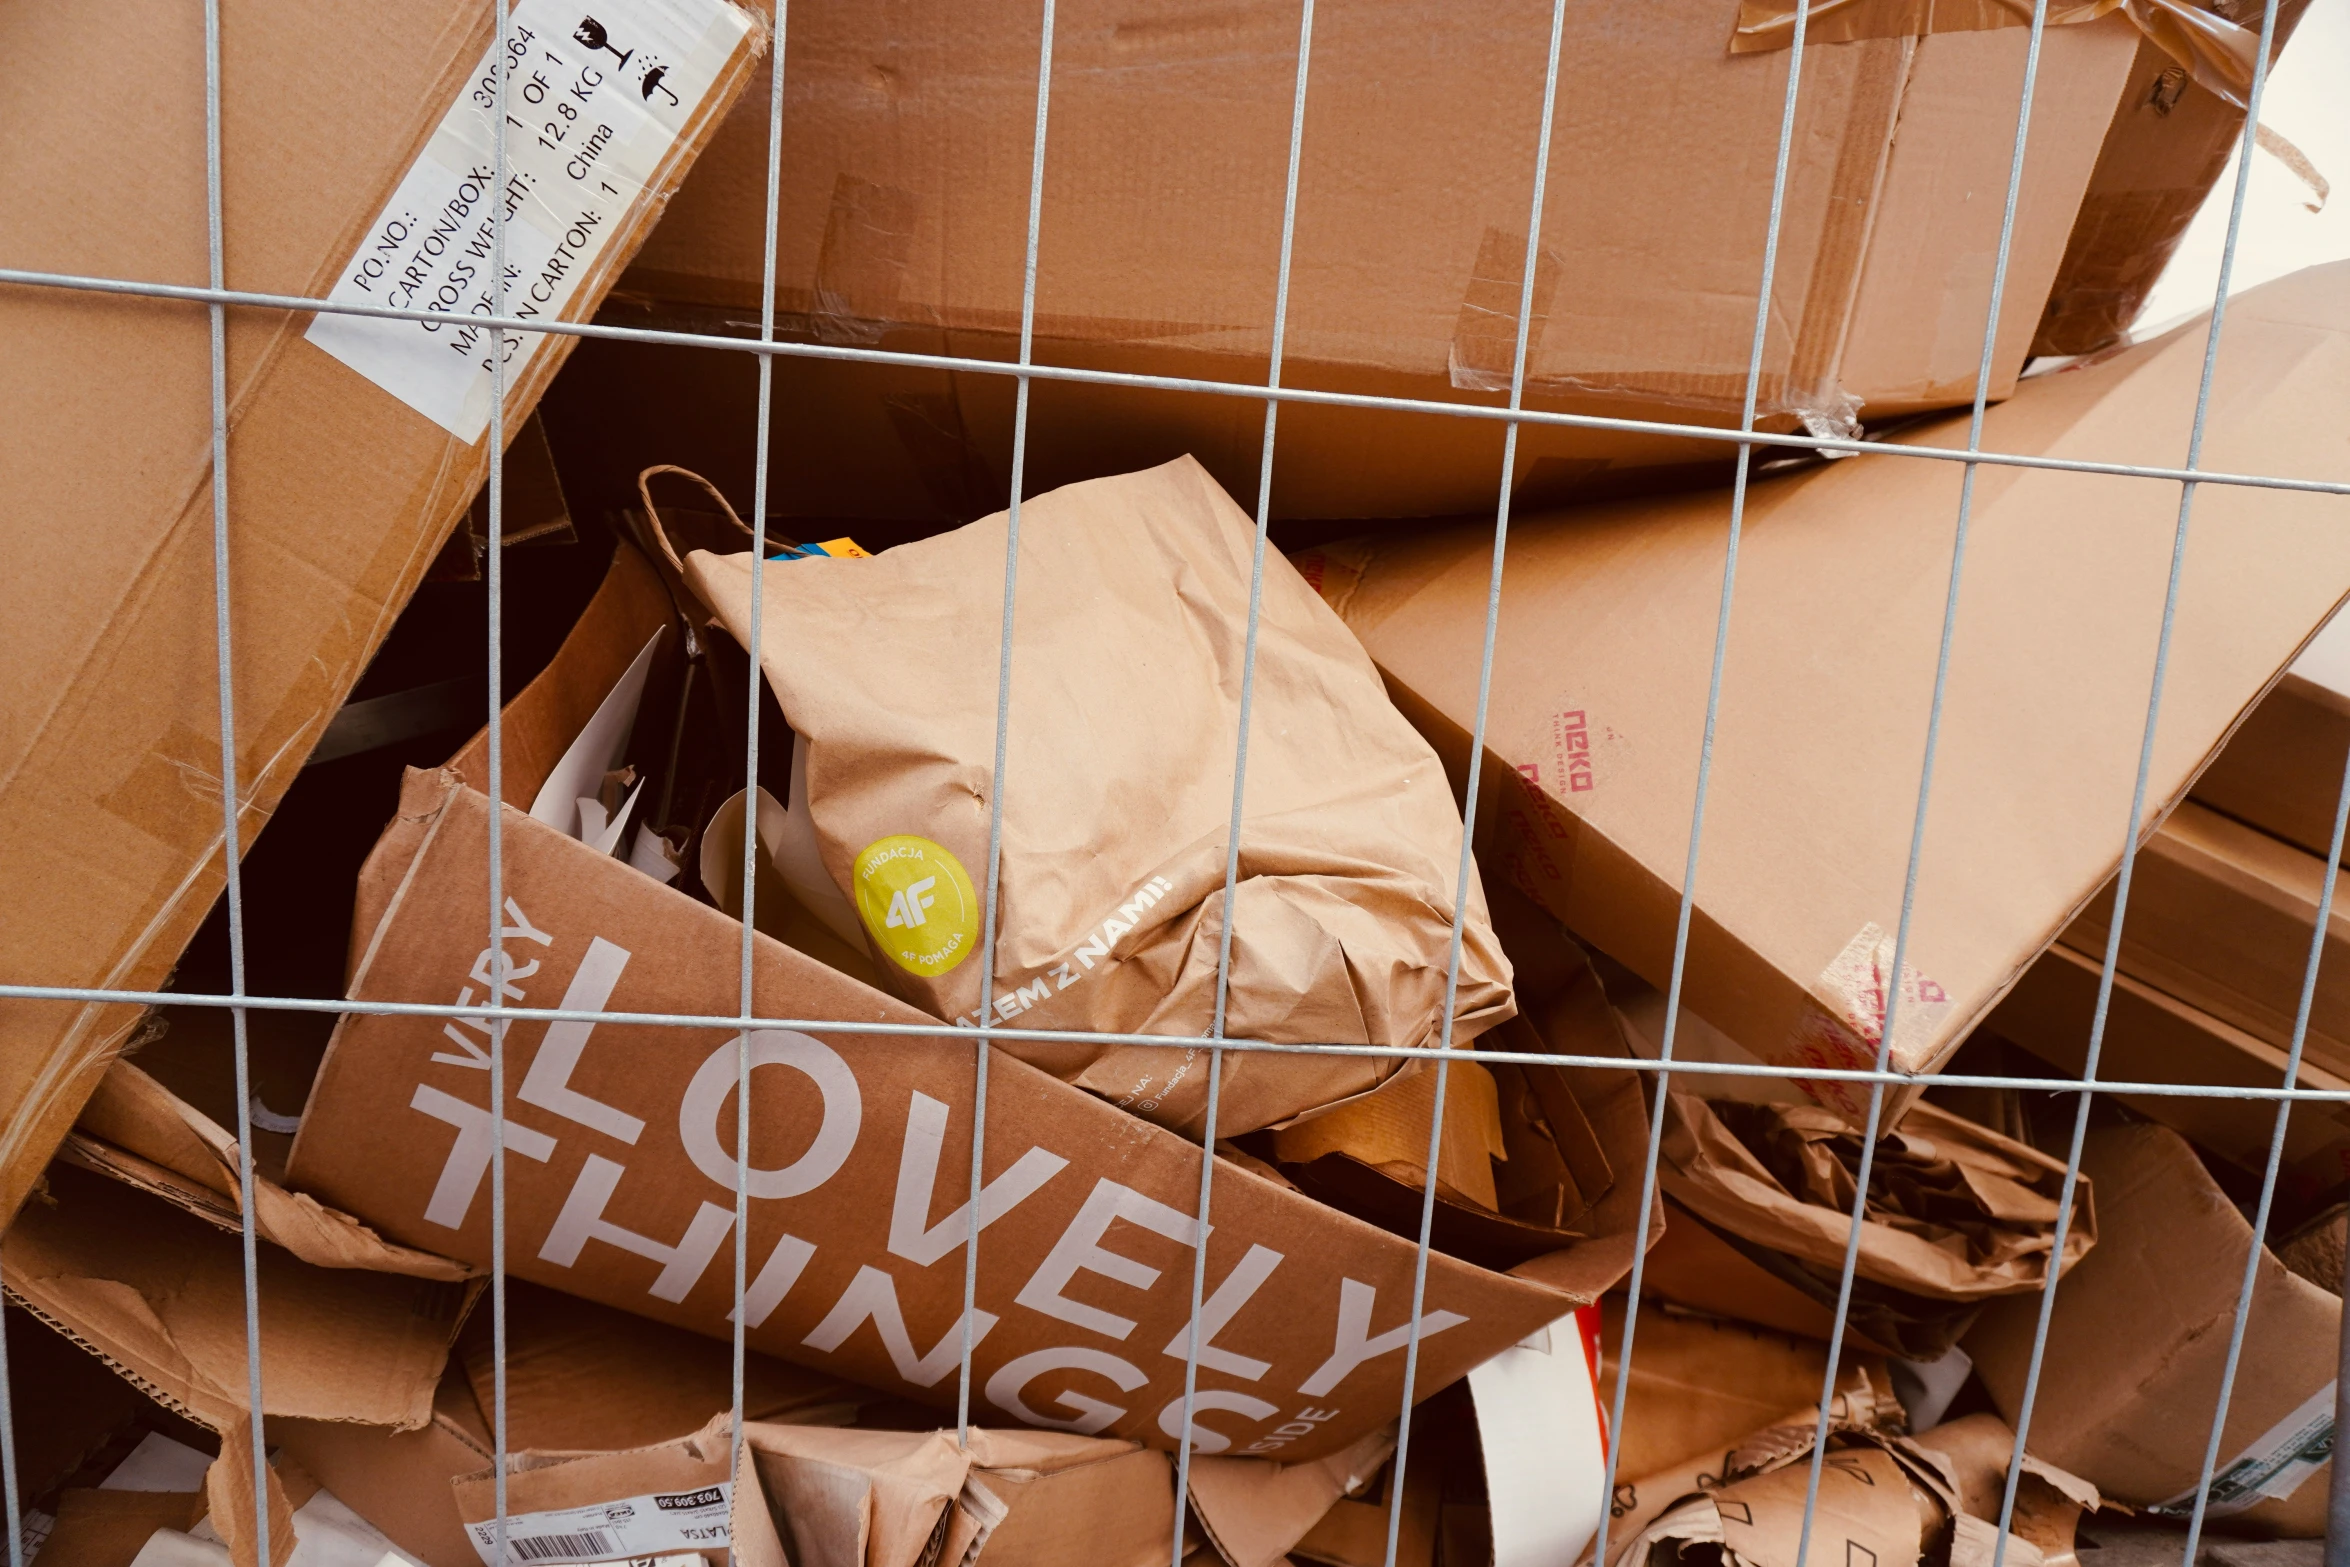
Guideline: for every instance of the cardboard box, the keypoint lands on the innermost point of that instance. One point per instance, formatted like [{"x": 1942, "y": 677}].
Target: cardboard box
[
  {"x": 2220, "y": 917},
  {"x": 2154, "y": 1038},
  {"x": 340, "y": 490},
  {"x": 905, "y": 185},
  {"x": 2282, "y": 770},
  {"x": 2131, "y": 1375},
  {"x": 1605, "y": 647},
  {"x": 2167, "y": 145},
  {"x": 624, "y": 1205}
]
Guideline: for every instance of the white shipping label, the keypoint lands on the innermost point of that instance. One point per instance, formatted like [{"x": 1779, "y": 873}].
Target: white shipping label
[
  {"x": 2286, "y": 1454},
  {"x": 597, "y": 93},
  {"x": 638, "y": 1526}
]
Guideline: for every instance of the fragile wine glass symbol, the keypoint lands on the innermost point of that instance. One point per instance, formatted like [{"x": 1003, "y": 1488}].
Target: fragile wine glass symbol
[{"x": 591, "y": 33}]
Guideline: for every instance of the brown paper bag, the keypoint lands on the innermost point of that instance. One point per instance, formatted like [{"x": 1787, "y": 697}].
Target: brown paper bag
[
  {"x": 1958, "y": 1214},
  {"x": 1126, "y": 677}
]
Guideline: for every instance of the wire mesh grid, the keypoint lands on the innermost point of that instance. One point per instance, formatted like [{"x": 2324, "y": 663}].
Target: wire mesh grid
[{"x": 496, "y": 1017}]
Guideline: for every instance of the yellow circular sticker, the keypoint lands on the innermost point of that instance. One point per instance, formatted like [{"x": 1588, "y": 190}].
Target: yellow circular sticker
[{"x": 917, "y": 901}]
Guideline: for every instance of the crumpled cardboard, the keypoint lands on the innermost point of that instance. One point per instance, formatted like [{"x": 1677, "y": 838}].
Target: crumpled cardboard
[
  {"x": 1603, "y": 662},
  {"x": 812, "y": 1496},
  {"x": 1893, "y": 1500},
  {"x": 1863, "y": 1401},
  {"x": 2130, "y": 1379},
  {"x": 619, "y": 1173},
  {"x": 1574, "y": 1136},
  {"x": 340, "y": 493},
  {"x": 1958, "y": 1214},
  {"x": 1116, "y": 811}
]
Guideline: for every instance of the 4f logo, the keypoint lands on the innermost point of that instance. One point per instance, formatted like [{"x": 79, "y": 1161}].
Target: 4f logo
[{"x": 906, "y": 904}]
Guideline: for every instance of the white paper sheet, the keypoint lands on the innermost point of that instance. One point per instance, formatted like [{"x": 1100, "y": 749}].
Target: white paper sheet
[
  {"x": 601, "y": 746},
  {"x": 1538, "y": 1426}
]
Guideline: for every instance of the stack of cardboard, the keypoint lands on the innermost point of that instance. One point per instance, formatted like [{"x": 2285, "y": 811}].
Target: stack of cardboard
[{"x": 500, "y": 1328}]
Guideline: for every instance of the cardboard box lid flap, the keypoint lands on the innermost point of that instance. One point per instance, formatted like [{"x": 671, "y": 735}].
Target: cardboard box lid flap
[
  {"x": 1255, "y": 1510},
  {"x": 160, "y": 1295},
  {"x": 855, "y": 1498},
  {"x": 135, "y": 1113}
]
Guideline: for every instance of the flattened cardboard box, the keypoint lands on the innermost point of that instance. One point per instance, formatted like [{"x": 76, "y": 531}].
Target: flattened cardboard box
[
  {"x": 620, "y": 1173},
  {"x": 1604, "y": 649},
  {"x": 339, "y": 491},
  {"x": 1164, "y": 174},
  {"x": 2131, "y": 1376},
  {"x": 2220, "y": 917},
  {"x": 2154, "y": 1038}
]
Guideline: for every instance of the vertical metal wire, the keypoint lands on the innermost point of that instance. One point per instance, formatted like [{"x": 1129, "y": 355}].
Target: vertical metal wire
[
  {"x": 1003, "y": 717},
  {"x": 2276, "y": 1149},
  {"x": 2121, "y": 894},
  {"x": 8, "y": 1457},
  {"x": 755, "y": 685},
  {"x": 1888, "y": 1023},
  {"x": 1248, "y": 691},
  {"x": 1705, "y": 762},
  {"x": 233, "y": 890},
  {"x": 1467, "y": 868},
  {"x": 494, "y": 578}
]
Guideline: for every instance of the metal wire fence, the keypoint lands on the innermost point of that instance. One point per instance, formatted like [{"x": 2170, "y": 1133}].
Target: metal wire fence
[{"x": 218, "y": 299}]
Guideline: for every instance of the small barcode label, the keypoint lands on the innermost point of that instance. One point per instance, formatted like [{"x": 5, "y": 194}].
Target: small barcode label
[{"x": 559, "y": 1547}]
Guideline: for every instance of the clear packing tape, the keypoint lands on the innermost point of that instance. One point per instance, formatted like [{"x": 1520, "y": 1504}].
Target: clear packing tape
[{"x": 2217, "y": 53}]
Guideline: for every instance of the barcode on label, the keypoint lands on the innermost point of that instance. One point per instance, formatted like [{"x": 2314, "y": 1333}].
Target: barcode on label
[{"x": 559, "y": 1547}]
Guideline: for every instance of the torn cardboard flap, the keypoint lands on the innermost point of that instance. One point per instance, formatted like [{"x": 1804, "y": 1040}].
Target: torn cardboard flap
[
  {"x": 160, "y": 1296},
  {"x": 1113, "y": 831},
  {"x": 399, "y": 1481},
  {"x": 620, "y": 1174},
  {"x": 141, "y": 1133},
  {"x": 1255, "y": 1511}
]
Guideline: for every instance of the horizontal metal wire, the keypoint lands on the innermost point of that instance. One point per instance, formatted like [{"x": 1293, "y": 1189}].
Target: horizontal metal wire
[
  {"x": 1253, "y": 390},
  {"x": 932, "y": 1028}
]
